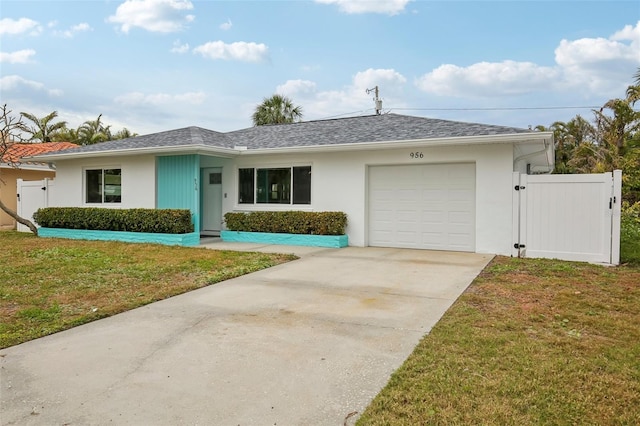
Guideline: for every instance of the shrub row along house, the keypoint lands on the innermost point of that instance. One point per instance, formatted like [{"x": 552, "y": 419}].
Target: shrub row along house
[{"x": 403, "y": 181}]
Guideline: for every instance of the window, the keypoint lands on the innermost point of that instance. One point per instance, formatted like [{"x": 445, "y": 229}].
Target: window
[
  {"x": 103, "y": 186},
  {"x": 282, "y": 185}
]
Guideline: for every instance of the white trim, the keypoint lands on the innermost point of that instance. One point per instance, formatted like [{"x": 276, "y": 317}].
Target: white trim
[
  {"x": 26, "y": 166},
  {"x": 84, "y": 186},
  {"x": 409, "y": 143},
  {"x": 270, "y": 206},
  {"x": 229, "y": 153}
]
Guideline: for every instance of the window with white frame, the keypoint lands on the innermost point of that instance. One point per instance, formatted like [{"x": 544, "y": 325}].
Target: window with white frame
[
  {"x": 103, "y": 186},
  {"x": 277, "y": 185}
]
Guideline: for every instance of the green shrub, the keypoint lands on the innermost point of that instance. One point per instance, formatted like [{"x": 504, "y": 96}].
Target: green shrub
[
  {"x": 165, "y": 221},
  {"x": 288, "y": 222},
  {"x": 630, "y": 233}
]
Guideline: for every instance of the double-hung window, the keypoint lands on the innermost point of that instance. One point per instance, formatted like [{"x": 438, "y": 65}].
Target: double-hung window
[
  {"x": 103, "y": 186},
  {"x": 278, "y": 185}
]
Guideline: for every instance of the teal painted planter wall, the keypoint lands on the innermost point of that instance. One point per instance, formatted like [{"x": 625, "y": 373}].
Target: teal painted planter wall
[
  {"x": 331, "y": 241},
  {"x": 178, "y": 182},
  {"x": 189, "y": 240}
]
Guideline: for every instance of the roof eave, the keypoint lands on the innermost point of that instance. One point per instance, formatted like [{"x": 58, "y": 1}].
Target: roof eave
[
  {"x": 27, "y": 166},
  {"x": 187, "y": 149},
  {"x": 409, "y": 143}
]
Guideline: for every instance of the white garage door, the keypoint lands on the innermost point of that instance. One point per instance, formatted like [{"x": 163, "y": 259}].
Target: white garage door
[{"x": 430, "y": 206}]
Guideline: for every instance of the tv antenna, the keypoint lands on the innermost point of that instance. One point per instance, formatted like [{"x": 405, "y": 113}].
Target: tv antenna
[{"x": 377, "y": 100}]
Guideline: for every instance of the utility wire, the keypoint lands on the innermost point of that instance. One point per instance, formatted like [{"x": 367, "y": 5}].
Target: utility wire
[{"x": 496, "y": 108}]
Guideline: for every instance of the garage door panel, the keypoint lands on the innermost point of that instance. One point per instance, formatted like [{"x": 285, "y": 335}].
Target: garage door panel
[
  {"x": 423, "y": 206},
  {"x": 455, "y": 218},
  {"x": 433, "y": 217}
]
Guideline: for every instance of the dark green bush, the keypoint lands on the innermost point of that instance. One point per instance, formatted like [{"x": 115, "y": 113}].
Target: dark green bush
[
  {"x": 164, "y": 221},
  {"x": 288, "y": 222}
]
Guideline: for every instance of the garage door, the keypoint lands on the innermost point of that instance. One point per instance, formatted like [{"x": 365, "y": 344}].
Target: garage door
[{"x": 430, "y": 206}]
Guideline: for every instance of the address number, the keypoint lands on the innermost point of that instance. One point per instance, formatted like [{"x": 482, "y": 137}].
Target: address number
[{"x": 416, "y": 155}]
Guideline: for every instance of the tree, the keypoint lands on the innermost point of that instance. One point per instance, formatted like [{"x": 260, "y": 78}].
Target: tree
[
  {"x": 10, "y": 128},
  {"x": 41, "y": 129},
  {"x": 277, "y": 109},
  {"x": 633, "y": 92},
  {"x": 124, "y": 134},
  {"x": 614, "y": 130},
  {"x": 65, "y": 135},
  {"x": 93, "y": 131}
]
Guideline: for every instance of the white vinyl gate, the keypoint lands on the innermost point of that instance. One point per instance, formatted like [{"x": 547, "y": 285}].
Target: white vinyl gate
[
  {"x": 569, "y": 217},
  {"x": 32, "y": 195}
]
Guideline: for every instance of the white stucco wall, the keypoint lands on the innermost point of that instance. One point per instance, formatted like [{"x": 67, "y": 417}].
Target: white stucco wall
[
  {"x": 339, "y": 182},
  {"x": 138, "y": 181}
]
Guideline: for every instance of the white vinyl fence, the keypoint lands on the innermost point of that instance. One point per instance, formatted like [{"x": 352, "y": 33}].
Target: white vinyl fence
[
  {"x": 569, "y": 217},
  {"x": 32, "y": 195}
]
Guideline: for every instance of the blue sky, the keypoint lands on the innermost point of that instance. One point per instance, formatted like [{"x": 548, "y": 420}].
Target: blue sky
[{"x": 153, "y": 65}]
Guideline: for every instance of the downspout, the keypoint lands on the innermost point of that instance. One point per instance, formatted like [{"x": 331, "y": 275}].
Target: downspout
[{"x": 533, "y": 154}]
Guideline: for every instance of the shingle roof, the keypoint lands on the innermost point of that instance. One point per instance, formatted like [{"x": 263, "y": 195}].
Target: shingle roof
[
  {"x": 353, "y": 130},
  {"x": 373, "y": 128},
  {"x": 16, "y": 151},
  {"x": 188, "y": 136}
]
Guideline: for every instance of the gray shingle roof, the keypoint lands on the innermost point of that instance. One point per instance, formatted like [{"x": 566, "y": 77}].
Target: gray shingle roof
[
  {"x": 188, "y": 136},
  {"x": 353, "y": 130},
  {"x": 373, "y": 128}
]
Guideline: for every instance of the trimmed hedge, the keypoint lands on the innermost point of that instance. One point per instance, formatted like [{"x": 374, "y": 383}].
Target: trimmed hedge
[
  {"x": 160, "y": 221},
  {"x": 288, "y": 222}
]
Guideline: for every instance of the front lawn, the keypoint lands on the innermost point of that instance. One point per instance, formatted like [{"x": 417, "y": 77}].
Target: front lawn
[
  {"x": 531, "y": 341},
  {"x": 48, "y": 285}
]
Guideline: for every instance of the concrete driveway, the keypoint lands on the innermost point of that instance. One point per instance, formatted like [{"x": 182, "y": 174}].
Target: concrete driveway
[{"x": 307, "y": 342}]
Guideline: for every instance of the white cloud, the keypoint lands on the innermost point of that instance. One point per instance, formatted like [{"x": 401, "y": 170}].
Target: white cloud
[
  {"x": 20, "y": 26},
  {"x": 388, "y": 7},
  {"x": 13, "y": 83},
  {"x": 296, "y": 87},
  {"x": 487, "y": 79},
  {"x": 164, "y": 16},
  {"x": 160, "y": 99},
  {"x": 369, "y": 78},
  {"x": 591, "y": 65},
  {"x": 239, "y": 51},
  {"x": 601, "y": 65},
  {"x": 18, "y": 57},
  {"x": 225, "y": 26},
  {"x": 352, "y": 99},
  {"x": 178, "y": 47},
  {"x": 83, "y": 27}
]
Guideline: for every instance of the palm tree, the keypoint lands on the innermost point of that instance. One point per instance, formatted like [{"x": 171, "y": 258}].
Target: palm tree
[
  {"x": 124, "y": 134},
  {"x": 65, "y": 135},
  {"x": 93, "y": 131},
  {"x": 633, "y": 92},
  {"x": 617, "y": 129},
  {"x": 277, "y": 109},
  {"x": 42, "y": 129}
]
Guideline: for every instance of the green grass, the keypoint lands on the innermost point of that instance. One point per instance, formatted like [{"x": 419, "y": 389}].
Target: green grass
[
  {"x": 48, "y": 285},
  {"x": 531, "y": 341}
]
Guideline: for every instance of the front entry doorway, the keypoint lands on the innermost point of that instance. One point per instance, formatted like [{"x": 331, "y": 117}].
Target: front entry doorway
[{"x": 211, "y": 201}]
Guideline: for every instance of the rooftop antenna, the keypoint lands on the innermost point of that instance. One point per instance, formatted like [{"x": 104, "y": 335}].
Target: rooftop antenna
[{"x": 377, "y": 100}]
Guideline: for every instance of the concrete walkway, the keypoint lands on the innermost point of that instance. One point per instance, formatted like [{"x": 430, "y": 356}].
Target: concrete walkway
[{"x": 307, "y": 342}]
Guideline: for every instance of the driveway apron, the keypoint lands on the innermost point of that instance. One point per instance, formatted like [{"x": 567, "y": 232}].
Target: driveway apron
[{"x": 308, "y": 342}]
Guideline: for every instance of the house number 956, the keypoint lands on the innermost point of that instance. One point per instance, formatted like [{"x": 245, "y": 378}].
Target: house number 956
[{"x": 416, "y": 155}]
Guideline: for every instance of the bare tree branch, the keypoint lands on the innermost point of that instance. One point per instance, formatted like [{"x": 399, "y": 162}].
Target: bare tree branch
[{"x": 9, "y": 134}]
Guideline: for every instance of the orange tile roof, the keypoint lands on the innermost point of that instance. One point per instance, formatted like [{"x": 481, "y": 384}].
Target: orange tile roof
[{"x": 16, "y": 151}]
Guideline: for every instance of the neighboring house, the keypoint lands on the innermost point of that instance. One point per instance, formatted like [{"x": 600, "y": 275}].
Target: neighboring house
[
  {"x": 403, "y": 181},
  {"x": 13, "y": 167}
]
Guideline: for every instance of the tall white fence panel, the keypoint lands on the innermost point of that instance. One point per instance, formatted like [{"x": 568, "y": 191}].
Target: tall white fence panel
[
  {"x": 570, "y": 217},
  {"x": 32, "y": 195}
]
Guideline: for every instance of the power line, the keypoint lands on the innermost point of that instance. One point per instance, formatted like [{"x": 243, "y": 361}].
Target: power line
[{"x": 499, "y": 108}]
